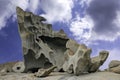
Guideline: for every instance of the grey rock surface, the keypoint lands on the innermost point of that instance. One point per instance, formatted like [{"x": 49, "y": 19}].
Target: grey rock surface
[
  {"x": 114, "y": 66},
  {"x": 7, "y": 67},
  {"x": 42, "y": 47},
  {"x": 77, "y": 58},
  {"x": 115, "y": 69},
  {"x": 114, "y": 63},
  {"x": 63, "y": 76}
]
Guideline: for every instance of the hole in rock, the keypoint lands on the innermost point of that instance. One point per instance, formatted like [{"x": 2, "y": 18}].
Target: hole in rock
[
  {"x": 18, "y": 68},
  {"x": 47, "y": 65},
  {"x": 37, "y": 40},
  {"x": 61, "y": 70},
  {"x": 7, "y": 71},
  {"x": 33, "y": 70}
]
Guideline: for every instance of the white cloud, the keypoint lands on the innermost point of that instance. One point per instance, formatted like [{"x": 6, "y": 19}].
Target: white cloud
[
  {"x": 105, "y": 37},
  {"x": 84, "y": 2},
  {"x": 78, "y": 27},
  {"x": 81, "y": 28},
  {"x": 34, "y": 5},
  {"x": 8, "y": 9},
  {"x": 57, "y": 10}
]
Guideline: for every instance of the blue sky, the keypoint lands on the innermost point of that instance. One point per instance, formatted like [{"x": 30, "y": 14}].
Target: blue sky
[{"x": 93, "y": 22}]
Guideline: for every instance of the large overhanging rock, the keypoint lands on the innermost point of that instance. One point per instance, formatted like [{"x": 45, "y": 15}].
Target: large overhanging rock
[
  {"x": 77, "y": 58},
  {"x": 42, "y": 47}
]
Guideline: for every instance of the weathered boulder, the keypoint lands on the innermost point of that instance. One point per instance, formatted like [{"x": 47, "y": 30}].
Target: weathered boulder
[
  {"x": 7, "y": 67},
  {"x": 42, "y": 47},
  {"x": 114, "y": 66},
  {"x": 115, "y": 69},
  {"x": 77, "y": 58},
  {"x": 114, "y": 63},
  {"x": 97, "y": 61},
  {"x": 3, "y": 72},
  {"x": 19, "y": 67}
]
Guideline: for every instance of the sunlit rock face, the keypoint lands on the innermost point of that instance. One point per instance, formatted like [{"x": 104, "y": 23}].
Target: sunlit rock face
[{"x": 42, "y": 47}]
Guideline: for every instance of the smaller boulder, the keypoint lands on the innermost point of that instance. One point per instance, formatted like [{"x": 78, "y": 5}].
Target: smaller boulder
[
  {"x": 44, "y": 72},
  {"x": 114, "y": 63},
  {"x": 114, "y": 66},
  {"x": 3, "y": 72},
  {"x": 97, "y": 61},
  {"x": 115, "y": 69}
]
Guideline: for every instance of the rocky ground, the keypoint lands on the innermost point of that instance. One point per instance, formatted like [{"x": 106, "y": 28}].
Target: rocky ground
[{"x": 62, "y": 76}]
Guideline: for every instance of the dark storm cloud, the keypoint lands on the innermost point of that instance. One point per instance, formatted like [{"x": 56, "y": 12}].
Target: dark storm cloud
[{"x": 103, "y": 13}]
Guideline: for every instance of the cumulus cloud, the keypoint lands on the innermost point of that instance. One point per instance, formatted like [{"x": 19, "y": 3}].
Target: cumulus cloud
[
  {"x": 57, "y": 10},
  {"x": 8, "y": 9},
  {"x": 81, "y": 28},
  {"x": 105, "y": 15},
  {"x": 34, "y": 5},
  {"x": 84, "y": 2}
]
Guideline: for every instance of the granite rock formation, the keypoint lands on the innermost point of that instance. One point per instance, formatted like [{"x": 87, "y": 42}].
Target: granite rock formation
[
  {"x": 43, "y": 48},
  {"x": 114, "y": 66}
]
